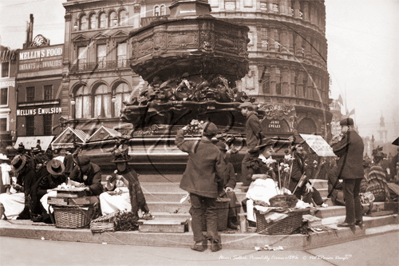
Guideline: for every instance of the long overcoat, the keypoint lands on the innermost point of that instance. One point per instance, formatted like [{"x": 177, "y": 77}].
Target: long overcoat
[
  {"x": 350, "y": 153},
  {"x": 204, "y": 161}
]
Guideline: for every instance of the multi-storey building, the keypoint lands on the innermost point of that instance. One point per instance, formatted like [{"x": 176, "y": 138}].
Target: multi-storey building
[
  {"x": 287, "y": 51},
  {"x": 8, "y": 70}
]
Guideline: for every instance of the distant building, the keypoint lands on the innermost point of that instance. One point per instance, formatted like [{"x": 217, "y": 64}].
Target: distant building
[{"x": 8, "y": 69}]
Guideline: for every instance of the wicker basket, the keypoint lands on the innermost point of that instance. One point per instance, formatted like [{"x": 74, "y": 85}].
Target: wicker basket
[
  {"x": 104, "y": 223},
  {"x": 282, "y": 227},
  {"x": 222, "y": 208},
  {"x": 73, "y": 216}
]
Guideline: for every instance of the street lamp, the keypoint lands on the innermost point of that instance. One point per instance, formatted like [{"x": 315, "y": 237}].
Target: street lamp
[
  {"x": 73, "y": 111},
  {"x": 75, "y": 26}
]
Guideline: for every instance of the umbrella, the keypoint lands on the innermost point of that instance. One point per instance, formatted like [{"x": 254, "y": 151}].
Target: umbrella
[{"x": 396, "y": 141}]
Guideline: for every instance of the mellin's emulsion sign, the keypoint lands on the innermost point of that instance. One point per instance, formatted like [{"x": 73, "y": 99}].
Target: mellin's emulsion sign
[{"x": 39, "y": 111}]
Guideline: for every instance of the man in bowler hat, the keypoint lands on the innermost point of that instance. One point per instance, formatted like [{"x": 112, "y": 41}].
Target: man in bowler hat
[
  {"x": 199, "y": 179},
  {"x": 349, "y": 149}
]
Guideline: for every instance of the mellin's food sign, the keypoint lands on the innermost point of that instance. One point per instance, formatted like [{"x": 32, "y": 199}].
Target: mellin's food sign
[{"x": 49, "y": 57}]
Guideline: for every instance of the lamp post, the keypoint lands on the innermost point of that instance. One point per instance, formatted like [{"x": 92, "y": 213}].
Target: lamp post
[
  {"x": 75, "y": 26},
  {"x": 73, "y": 112}
]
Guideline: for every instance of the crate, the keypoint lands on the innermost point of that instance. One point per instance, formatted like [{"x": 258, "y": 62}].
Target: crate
[
  {"x": 73, "y": 216},
  {"x": 103, "y": 223},
  {"x": 222, "y": 208},
  {"x": 282, "y": 227}
]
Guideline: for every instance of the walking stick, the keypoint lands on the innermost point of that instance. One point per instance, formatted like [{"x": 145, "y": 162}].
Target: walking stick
[
  {"x": 300, "y": 182},
  {"x": 279, "y": 177}
]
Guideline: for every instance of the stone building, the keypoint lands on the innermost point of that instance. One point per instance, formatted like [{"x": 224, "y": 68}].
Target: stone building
[
  {"x": 287, "y": 51},
  {"x": 8, "y": 70}
]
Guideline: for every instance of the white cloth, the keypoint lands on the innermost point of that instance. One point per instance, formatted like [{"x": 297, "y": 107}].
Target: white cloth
[
  {"x": 43, "y": 200},
  {"x": 114, "y": 203},
  {"x": 5, "y": 169},
  {"x": 13, "y": 204},
  {"x": 250, "y": 211},
  {"x": 262, "y": 190}
]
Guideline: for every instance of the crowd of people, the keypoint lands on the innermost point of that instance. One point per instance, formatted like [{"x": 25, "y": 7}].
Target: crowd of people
[{"x": 32, "y": 177}]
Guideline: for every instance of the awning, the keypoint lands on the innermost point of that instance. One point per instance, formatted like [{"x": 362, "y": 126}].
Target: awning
[
  {"x": 318, "y": 145},
  {"x": 31, "y": 142},
  {"x": 68, "y": 137},
  {"x": 104, "y": 133},
  {"x": 396, "y": 141}
]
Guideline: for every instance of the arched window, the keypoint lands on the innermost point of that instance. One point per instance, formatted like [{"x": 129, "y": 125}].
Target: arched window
[
  {"x": 83, "y": 23},
  {"x": 123, "y": 18},
  {"x": 122, "y": 94},
  {"x": 102, "y": 102},
  {"x": 82, "y": 103},
  {"x": 156, "y": 11},
  {"x": 306, "y": 126},
  {"x": 163, "y": 10},
  {"x": 93, "y": 21},
  {"x": 102, "y": 23},
  {"x": 113, "y": 20}
]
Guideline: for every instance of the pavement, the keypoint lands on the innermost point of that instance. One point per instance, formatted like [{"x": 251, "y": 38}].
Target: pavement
[{"x": 375, "y": 249}]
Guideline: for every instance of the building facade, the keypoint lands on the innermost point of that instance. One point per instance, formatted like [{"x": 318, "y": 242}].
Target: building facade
[
  {"x": 287, "y": 51},
  {"x": 8, "y": 70}
]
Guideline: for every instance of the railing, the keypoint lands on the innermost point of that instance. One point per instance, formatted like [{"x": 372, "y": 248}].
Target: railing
[{"x": 102, "y": 65}]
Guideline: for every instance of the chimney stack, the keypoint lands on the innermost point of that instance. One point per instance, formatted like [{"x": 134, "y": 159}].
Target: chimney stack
[{"x": 29, "y": 32}]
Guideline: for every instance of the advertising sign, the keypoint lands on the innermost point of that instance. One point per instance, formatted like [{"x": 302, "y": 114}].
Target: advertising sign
[
  {"x": 44, "y": 58},
  {"x": 318, "y": 145}
]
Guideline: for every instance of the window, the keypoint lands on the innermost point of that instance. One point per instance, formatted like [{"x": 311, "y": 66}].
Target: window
[
  {"x": 3, "y": 124},
  {"x": 83, "y": 23},
  {"x": 83, "y": 103},
  {"x": 122, "y": 54},
  {"x": 278, "y": 86},
  {"x": 156, "y": 11},
  {"x": 93, "y": 21},
  {"x": 48, "y": 92},
  {"x": 102, "y": 21},
  {"x": 123, "y": 18},
  {"x": 5, "y": 69},
  {"x": 102, "y": 102},
  {"x": 47, "y": 124},
  {"x": 30, "y": 94},
  {"x": 113, "y": 20},
  {"x": 82, "y": 57},
  {"x": 163, "y": 10},
  {"x": 122, "y": 94},
  {"x": 101, "y": 56},
  {"x": 266, "y": 85},
  {"x": 4, "y": 96},
  {"x": 29, "y": 124}
]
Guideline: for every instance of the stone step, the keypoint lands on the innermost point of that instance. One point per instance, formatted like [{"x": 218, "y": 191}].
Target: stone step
[
  {"x": 230, "y": 240},
  {"x": 169, "y": 207},
  {"x": 333, "y": 211},
  {"x": 164, "y": 225}
]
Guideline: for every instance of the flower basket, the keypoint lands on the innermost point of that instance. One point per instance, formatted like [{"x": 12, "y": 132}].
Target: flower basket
[
  {"x": 222, "y": 208},
  {"x": 103, "y": 224},
  {"x": 282, "y": 227},
  {"x": 73, "y": 216},
  {"x": 278, "y": 201}
]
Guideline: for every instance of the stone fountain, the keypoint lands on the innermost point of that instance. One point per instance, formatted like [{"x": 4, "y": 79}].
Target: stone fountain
[{"x": 191, "y": 62}]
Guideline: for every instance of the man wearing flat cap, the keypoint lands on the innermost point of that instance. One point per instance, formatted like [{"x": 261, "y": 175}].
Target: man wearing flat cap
[
  {"x": 88, "y": 173},
  {"x": 350, "y": 168},
  {"x": 200, "y": 180},
  {"x": 253, "y": 137}
]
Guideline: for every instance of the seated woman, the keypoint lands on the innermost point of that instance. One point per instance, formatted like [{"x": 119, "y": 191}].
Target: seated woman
[
  {"x": 16, "y": 204},
  {"x": 45, "y": 185},
  {"x": 116, "y": 196},
  {"x": 132, "y": 201},
  {"x": 228, "y": 188}
]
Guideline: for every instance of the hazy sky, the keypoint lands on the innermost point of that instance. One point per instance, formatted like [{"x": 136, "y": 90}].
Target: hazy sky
[{"x": 363, "y": 57}]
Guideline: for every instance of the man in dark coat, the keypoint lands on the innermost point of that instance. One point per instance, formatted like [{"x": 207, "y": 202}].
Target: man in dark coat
[
  {"x": 349, "y": 149},
  {"x": 253, "y": 136},
  {"x": 199, "y": 179},
  {"x": 89, "y": 174}
]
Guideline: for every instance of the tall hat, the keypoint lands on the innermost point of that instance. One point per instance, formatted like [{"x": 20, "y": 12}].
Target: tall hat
[
  {"x": 347, "y": 122},
  {"x": 55, "y": 167},
  {"x": 18, "y": 163}
]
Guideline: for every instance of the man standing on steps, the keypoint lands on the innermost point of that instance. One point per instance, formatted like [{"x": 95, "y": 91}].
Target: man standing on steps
[
  {"x": 253, "y": 136},
  {"x": 199, "y": 179},
  {"x": 349, "y": 149}
]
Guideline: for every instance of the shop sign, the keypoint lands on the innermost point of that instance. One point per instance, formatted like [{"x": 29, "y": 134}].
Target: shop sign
[
  {"x": 34, "y": 60},
  {"x": 7, "y": 83},
  {"x": 39, "y": 111},
  {"x": 318, "y": 145}
]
